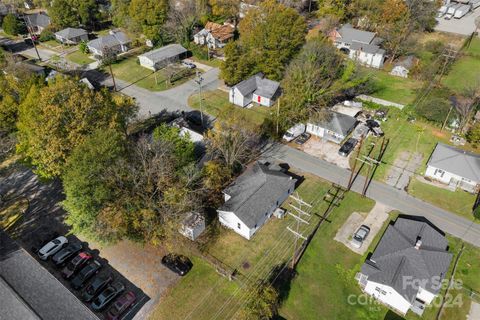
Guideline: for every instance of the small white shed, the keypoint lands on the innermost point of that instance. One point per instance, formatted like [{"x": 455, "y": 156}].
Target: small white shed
[{"x": 193, "y": 225}]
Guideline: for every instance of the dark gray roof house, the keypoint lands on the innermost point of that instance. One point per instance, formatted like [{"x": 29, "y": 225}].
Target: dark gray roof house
[
  {"x": 116, "y": 41},
  {"x": 366, "y": 47},
  {"x": 257, "y": 89},
  {"x": 160, "y": 57},
  {"x": 349, "y": 34},
  {"x": 38, "y": 21},
  {"x": 460, "y": 162},
  {"x": 409, "y": 250},
  {"x": 29, "y": 291},
  {"x": 333, "y": 126},
  {"x": 254, "y": 195},
  {"x": 73, "y": 35}
]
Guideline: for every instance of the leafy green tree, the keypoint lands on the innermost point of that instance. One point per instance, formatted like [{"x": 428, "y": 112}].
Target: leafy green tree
[
  {"x": 434, "y": 109},
  {"x": 336, "y": 8},
  {"x": 55, "y": 119},
  {"x": 262, "y": 304},
  {"x": 82, "y": 46},
  {"x": 74, "y": 13},
  {"x": 473, "y": 134},
  {"x": 85, "y": 181},
  {"x": 12, "y": 26},
  {"x": 183, "y": 148},
  {"x": 270, "y": 36},
  {"x": 149, "y": 17}
]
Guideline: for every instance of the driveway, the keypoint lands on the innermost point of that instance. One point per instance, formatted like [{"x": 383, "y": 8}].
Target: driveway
[
  {"x": 380, "y": 192},
  {"x": 464, "y": 26},
  {"x": 326, "y": 150},
  {"x": 172, "y": 100}
]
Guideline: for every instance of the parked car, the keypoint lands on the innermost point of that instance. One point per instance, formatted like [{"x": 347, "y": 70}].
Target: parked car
[
  {"x": 303, "y": 138},
  {"x": 177, "y": 263},
  {"x": 360, "y": 236},
  {"x": 95, "y": 287},
  {"x": 43, "y": 240},
  {"x": 107, "y": 296},
  {"x": 52, "y": 247},
  {"x": 347, "y": 147},
  {"x": 61, "y": 257},
  {"x": 86, "y": 273},
  {"x": 294, "y": 132},
  {"x": 189, "y": 65},
  {"x": 122, "y": 304},
  {"x": 76, "y": 264}
]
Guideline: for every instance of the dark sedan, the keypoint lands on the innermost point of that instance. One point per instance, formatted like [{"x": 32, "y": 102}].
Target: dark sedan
[
  {"x": 63, "y": 255},
  {"x": 303, "y": 138},
  {"x": 122, "y": 304},
  {"x": 86, "y": 273},
  {"x": 76, "y": 264},
  {"x": 107, "y": 296},
  {"x": 177, "y": 263},
  {"x": 95, "y": 287},
  {"x": 347, "y": 147}
]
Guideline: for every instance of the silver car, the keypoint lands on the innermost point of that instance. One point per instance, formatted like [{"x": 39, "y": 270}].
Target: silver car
[
  {"x": 360, "y": 236},
  {"x": 52, "y": 247}
]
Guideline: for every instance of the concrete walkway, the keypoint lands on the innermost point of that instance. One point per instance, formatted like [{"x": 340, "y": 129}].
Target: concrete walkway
[{"x": 451, "y": 223}]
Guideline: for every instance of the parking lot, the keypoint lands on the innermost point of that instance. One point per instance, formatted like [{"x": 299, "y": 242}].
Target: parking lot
[{"x": 464, "y": 26}]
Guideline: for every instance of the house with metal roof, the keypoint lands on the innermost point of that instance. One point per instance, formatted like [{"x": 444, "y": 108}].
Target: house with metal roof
[
  {"x": 29, "y": 291},
  {"x": 406, "y": 270},
  {"x": 257, "y": 89},
  {"x": 114, "y": 43},
  {"x": 253, "y": 197},
  {"x": 161, "y": 57},
  {"x": 361, "y": 46},
  {"x": 332, "y": 126},
  {"x": 454, "y": 167},
  {"x": 37, "y": 22},
  {"x": 71, "y": 35}
]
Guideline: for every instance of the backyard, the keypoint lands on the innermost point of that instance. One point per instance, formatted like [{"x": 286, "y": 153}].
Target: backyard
[
  {"x": 216, "y": 104},
  {"x": 464, "y": 72},
  {"x": 129, "y": 70}
]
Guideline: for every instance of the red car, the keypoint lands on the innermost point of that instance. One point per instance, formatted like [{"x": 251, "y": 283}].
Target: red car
[
  {"x": 76, "y": 264},
  {"x": 122, "y": 304}
]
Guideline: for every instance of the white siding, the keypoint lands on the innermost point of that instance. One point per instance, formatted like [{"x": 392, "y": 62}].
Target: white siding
[
  {"x": 445, "y": 177},
  {"x": 231, "y": 221},
  {"x": 146, "y": 62},
  {"x": 237, "y": 98},
  {"x": 388, "y": 296},
  {"x": 315, "y": 130},
  {"x": 262, "y": 100},
  {"x": 368, "y": 59},
  {"x": 425, "y": 296}
]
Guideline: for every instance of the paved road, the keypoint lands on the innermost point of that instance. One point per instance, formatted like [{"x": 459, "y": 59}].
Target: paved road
[
  {"x": 378, "y": 191},
  {"x": 175, "y": 99}
]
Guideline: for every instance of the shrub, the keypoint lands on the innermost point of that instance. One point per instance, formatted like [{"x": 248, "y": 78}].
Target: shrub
[
  {"x": 46, "y": 35},
  {"x": 12, "y": 26},
  {"x": 83, "y": 47}
]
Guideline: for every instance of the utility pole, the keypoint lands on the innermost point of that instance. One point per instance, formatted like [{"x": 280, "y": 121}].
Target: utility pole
[
  {"x": 299, "y": 220},
  {"x": 199, "y": 81},
  {"x": 446, "y": 118},
  {"x": 32, "y": 37},
  {"x": 278, "y": 113},
  {"x": 107, "y": 58},
  {"x": 350, "y": 181}
]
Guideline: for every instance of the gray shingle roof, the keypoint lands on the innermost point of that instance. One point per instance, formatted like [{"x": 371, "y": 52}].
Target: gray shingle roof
[
  {"x": 108, "y": 41},
  {"x": 164, "y": 53},
  {"x": 70, "y": 33},
  {"x": 339, "y": 123},
  {"x": 350, "y": 34},
  {"x": 255, "y": 191},
  {"x": 369, "y": 48},
  {"x": 259, "y": 85},
  {"x": 40, "y": 19},
  {"x": 463, "y": 163},
  {"x": 32, "y": 289},
  {"x": 396, "y": 261}
]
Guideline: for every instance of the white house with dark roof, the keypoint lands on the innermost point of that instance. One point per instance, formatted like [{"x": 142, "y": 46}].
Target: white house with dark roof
[
  {"x": 406, "y": 270},
  {"x": 37, "y": 22},
  {"x": 455, "y": 167},
  {"x": 257, "y": 89},
  {"x": 161, "y": 57},
  {"x": 332, "y": 126},
  {"x": 251, "y": 200},
  {"x": 361, "y": 46},
  {"x": 71, "y": 35},
  {"x": 113, "y": 43}
]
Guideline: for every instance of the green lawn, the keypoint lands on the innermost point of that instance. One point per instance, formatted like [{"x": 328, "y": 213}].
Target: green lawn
[
  {"x": 325, "y": 283},
  {"x": 129, "y": 70},
  {"x": 459, "y": 202},
  {"x": 216, "y": 104},
  {"x": 79, "y": 57},
  {"x": 464, "y": 73},
  {"x": 394, "y": 89},
  {"x": 51, "y": 44},
  {"x": 215, "y": 63}
]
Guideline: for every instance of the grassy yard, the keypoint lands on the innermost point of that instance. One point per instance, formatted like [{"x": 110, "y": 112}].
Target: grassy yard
[
  {"x": 79, "y": 58},
  {"x": 464, "y": 73},
  {"x": 459, "y": 202},
  {"x": 394, "y": 89},
  {"x": 216, "y": 104},
  {"x": 130, "y": 71},
  {"x": 325, "y": 281},
  {"x": 215, "y": 63}
]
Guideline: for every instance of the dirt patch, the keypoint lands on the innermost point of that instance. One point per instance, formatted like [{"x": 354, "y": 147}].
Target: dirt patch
[
  {"x": 374, "y": 220},
  {"x": 325, "y": 150},
  {"x": 474, "y": 311},
  {"x": 439, "y": 134}
]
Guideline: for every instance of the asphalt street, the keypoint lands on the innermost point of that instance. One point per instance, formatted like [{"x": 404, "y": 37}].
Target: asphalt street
[{"x": 378, "y": 191}]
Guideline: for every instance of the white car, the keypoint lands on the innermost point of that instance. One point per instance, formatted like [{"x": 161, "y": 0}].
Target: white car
[
  {"x": 360, "y": 236},
  {"x": 52, "y": 247}
]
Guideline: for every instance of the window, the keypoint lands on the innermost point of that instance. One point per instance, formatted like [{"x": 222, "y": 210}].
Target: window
[
  {"x": 239, "y": 226},
  {"x": 266, "y": 214}
]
